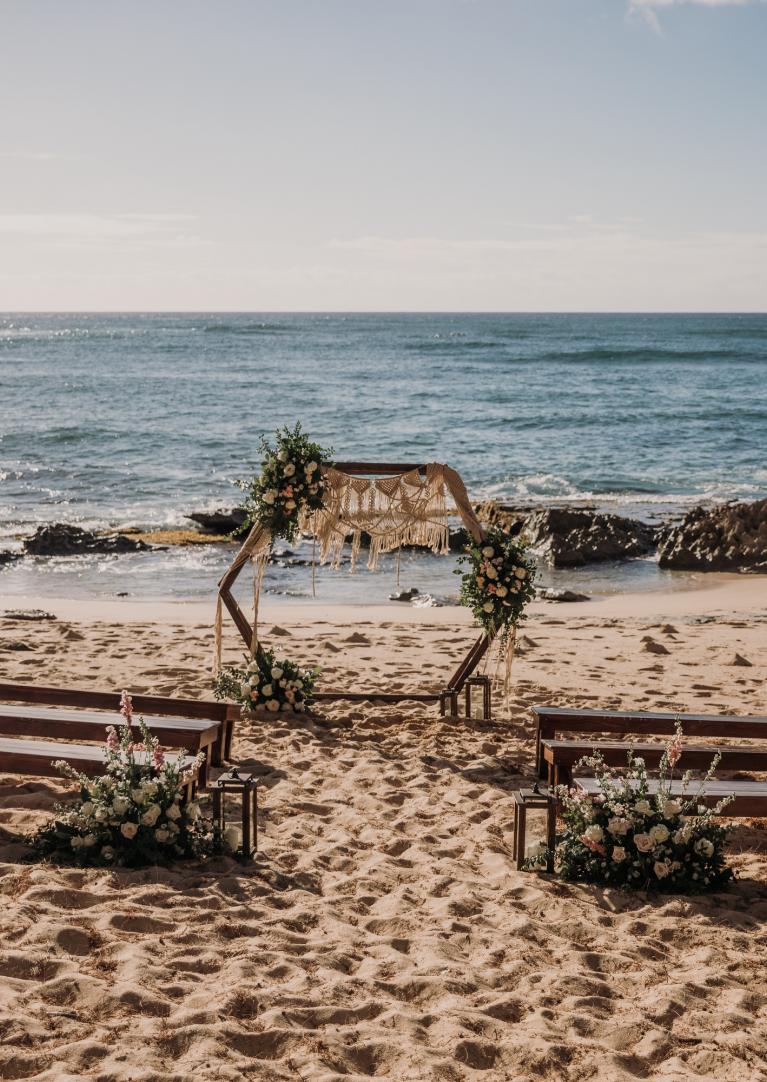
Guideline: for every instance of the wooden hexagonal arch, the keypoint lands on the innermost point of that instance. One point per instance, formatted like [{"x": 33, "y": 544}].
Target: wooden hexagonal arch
[{"x": 258, "y": 540}]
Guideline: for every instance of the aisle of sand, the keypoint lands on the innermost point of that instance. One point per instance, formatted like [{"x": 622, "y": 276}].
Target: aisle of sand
[{"x": 383, "y": 931}]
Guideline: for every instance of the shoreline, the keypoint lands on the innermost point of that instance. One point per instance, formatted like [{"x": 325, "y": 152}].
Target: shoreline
[{"x": 716, "y": 594}]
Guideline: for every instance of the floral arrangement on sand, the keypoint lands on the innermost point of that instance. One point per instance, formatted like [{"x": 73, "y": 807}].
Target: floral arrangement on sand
[
  {"x": 266, "y": 682},
  {"x": 499, "y": 581},
  {"x": 290, "y": 483},
  {"x": 134, "y": 814},
  {"x": 625, "y": 836}
]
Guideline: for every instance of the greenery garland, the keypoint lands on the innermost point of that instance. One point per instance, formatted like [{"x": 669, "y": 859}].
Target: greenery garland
[
  {"x": 290, "y": 483},
  {"x": 499, "y": 581}
]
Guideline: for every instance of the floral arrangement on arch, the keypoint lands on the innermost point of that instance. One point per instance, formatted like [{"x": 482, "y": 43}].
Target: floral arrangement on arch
[
  {"x": 499, "y": 581},
  {"x": 289, "y": 485},
  {"x": 625, "y": 836},
  {"x": 134, "y": 814},
  {"x": 266, "y": 682}
]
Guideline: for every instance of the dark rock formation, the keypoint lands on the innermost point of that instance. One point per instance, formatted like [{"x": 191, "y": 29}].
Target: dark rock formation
[
  {"x": 732, "y": 537},
  {"x": 548, "y": 593},
  {"x": 566, "y": 538},
  {"x": 27, "y": 614},
  {"x": 59, "y": 539},
  {"x": 220, "y": 521}
]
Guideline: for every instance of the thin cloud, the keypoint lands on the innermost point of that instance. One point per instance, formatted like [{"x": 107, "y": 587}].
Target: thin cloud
[{"x": 648, "y": 9}]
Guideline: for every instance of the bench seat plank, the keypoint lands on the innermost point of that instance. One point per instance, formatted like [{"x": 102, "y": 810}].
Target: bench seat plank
[
  {"x": 750, "y": 796},
  {"x": 190, "y": 733},
  {"x": 562, "y": 755},
  {"x": 553, "y": 720},
  {"x": 37, "y": 757}
]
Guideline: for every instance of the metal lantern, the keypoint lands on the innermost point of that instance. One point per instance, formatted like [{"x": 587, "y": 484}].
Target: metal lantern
[
  {"x": 528, "y": 842},
  {"x": 234, "y": 782}
]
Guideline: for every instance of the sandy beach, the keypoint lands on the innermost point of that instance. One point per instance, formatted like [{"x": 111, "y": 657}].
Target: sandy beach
[{"x": 383, "y": 931}]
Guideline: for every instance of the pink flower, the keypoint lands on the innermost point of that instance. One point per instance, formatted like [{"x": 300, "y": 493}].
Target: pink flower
[
  {"x": 126, "y": 707},
  {"x": 113, "y": 740},
  {"x": 675, "y": 751},
  {"x": 158, "y": 758}
]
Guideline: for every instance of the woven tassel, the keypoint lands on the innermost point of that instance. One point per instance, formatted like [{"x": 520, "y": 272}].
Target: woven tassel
[
  {"x": 218, "y": 627},
  {"x": 259, "y": 561}
]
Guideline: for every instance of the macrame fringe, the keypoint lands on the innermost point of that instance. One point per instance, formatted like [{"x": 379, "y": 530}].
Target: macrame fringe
[
  {"x": 406, "y": 509},
  {"x": 259, "y": 561},
  {"x": 504, "y": 659},
  {"x": 218, "y": 629}
]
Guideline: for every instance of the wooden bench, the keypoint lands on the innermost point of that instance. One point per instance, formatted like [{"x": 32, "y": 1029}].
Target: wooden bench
[
  {"x": 188, "y": 724},
  {"x": 560, "y": 756},
  {"x": 550, "y": 721},
  {"x": 556, "y": 758}
]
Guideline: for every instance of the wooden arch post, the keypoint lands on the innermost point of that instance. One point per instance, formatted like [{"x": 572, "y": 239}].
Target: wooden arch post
[{"x": 259, "y": 539}]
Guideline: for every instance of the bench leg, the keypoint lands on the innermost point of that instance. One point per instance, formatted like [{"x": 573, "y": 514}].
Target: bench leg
[
  {"x": 551, "y": 831},
  {"x": 521, "y": 835}
]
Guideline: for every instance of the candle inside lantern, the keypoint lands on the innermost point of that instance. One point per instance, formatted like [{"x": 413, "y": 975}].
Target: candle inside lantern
[{"x": 233, "y": 838}]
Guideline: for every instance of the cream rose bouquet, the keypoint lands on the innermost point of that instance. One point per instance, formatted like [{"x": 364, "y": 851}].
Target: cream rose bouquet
[
  {"x": 499, "y": 581},
  {"x": 290, "y": 483},
  {"x": 134, "y": 814},
  {"x": 629, "y": 837},
  {"x": 268, "y": 683}
]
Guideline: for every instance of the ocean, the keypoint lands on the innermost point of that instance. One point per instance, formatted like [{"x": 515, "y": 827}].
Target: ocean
[{"x": 137, "y": 419}]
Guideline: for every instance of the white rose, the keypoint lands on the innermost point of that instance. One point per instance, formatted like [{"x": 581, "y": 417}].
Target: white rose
[
  {"x": 619, "y": 854},
  {"x": 681, "y": 836},
  {"x": 488, "y": 606},
  {"x": 289, "y": 469},
  {"x": 269, "y": 496},
  {"x": 193, "y": 811},
  {"x": 311, "y": 467},
  {"x": 642, "y": 807},
  {"x": 704, "y": 847},
  {"x": 86, "y": 809},
  {"x": 173, "y": 829},
  {"x": 661, "y": 868},
  {"x": 173, "y": 812},
  {"x": 671, "y": 808},
  {"x": 491, "y": 573},
  {"x": 108, "y": 852},
  {"x": 267, "y": 690},
  {"x": 273, "y": 705},
  {"x": 659, "y": 833},
  {"x": 161, "y": 834},
  {"x": 129, "y": 830},
  {"x": 488, "y": 551},
  {"x": 101, "y": 814},
  {"x": 520, "y": 572},
  {"x": 594, "y": 833},
  {"x": 643, "y": 842},
  {"x": 245, "y": 690},
  {"x": 277, "y": 673},
  {"x": 150, "y": 817},
  {"x": 618, "y": 825},
  {"x": 137, "y": 795},
  {"x": 290, "y": 505},
  {"x": 501, "y": 591}
]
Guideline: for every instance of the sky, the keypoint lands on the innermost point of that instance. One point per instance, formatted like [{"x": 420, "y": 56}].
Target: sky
[{"x": 383, "y": 155}]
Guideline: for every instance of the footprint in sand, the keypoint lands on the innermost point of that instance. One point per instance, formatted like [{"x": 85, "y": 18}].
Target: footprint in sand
[{"x": 357, "y": 637}]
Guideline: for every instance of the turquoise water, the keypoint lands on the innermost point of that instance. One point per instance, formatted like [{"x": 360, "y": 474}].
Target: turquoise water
[{"x": 135, "y": 419}]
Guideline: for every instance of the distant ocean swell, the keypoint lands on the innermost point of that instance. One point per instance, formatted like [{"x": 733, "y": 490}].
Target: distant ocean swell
[{"x": 138, "y": 419}]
